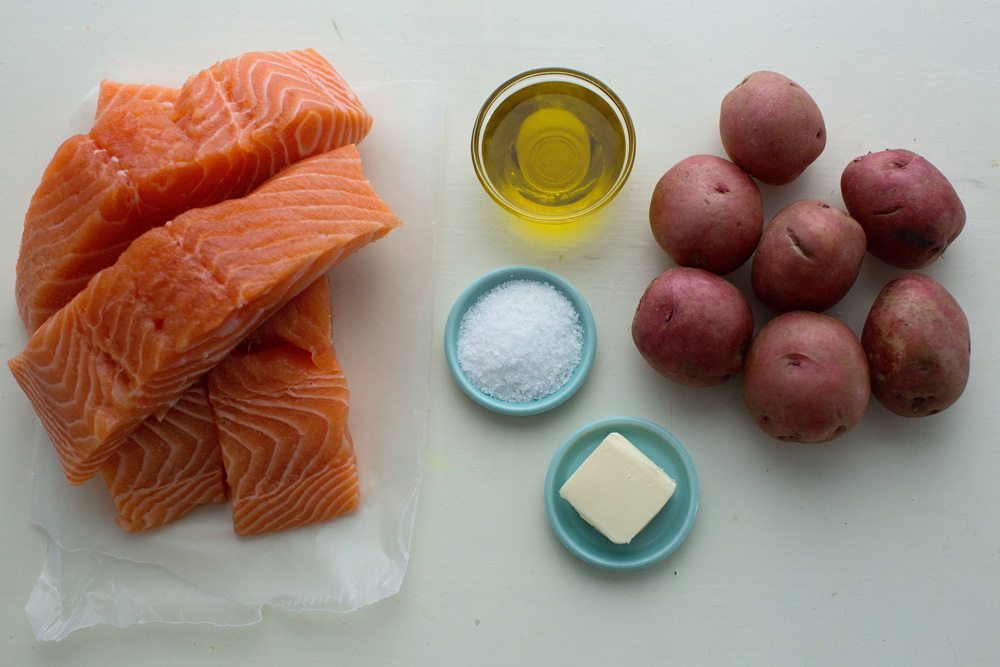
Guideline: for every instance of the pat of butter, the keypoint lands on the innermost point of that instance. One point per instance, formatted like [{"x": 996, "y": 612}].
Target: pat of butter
[{"x": 617, "y": 489}]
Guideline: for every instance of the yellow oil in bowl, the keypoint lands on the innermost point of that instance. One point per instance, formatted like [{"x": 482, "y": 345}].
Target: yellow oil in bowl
[
  {"x": 551, "y": 154},
  {"x": 553, "y": 145}
]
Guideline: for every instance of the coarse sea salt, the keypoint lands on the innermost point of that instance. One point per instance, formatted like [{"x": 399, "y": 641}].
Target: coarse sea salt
[{"x": 520, "y": 341}]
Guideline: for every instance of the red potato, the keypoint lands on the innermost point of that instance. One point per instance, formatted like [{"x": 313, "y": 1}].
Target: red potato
[
  {"x": 707, "y": 213},
  {"x": 917, "y": 341},
  {"x": 908, "y": 209},
  {"x": 808, "y": 258},
  {"x": 771, "y": 127},
  {"x": 693, "y": 327},
  {"x": 805, "y": 378}
]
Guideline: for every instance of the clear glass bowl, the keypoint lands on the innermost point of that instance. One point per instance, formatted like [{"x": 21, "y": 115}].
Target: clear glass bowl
[{"x": 620, "y": 118}]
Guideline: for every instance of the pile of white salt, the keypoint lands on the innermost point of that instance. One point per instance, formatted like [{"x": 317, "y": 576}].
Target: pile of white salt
[{"x": 520, "y": 341}]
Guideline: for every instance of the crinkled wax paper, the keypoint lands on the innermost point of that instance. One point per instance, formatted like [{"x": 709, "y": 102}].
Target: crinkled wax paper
[{"x": 196, "y": 570}]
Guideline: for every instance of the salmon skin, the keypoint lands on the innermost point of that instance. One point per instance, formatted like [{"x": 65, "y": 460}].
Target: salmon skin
[
  {"x": 168, "y": 466},
  {"x": 182, "y": 296},
  {"x": 154, "y": 153},
  {"x": 281, "y": 405}
]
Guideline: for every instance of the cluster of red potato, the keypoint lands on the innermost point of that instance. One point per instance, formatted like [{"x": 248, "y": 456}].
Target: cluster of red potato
[{"x": 806, "y": 376}]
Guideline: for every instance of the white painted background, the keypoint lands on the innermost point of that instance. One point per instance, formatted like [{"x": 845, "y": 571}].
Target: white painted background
[{"x": 880, "y": 548}]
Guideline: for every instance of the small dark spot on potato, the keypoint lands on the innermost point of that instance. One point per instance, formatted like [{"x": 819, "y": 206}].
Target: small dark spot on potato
[
  {"x": 794, "y": 359},
  {"x": 900, "y": 162},
  {"x": 824, "y": 205},
  {"x": 158, "y": 323},
  {"x": 668, "y": 315},
  {"x": 934, "y": 411},
  {"x": 912, "y": 238},
  {"x": 721, "y": 188},
  {"x": 764, "y": 419},
  {"x": 840, "y": 430},
  {"x": 790, "y": 437},
  {"x": 819, "y": 133}
]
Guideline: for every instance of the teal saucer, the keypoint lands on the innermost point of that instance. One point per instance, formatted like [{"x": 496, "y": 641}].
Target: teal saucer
[
  {"x": 483, "y": 285},
  {"x": 665, "y": 532}
]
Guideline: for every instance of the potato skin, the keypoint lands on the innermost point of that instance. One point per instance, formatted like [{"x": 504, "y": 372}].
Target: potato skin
[
  {"x": 808, "y": 258},
  {"x": 805, "y": 378},
  {"x": 917, "y": 341},
  {"x": 693, "y": 327},
  {"x": 908, "y": 209},
  {"x": 771, "y": 127},
  {"x": 707, "y": 213}
]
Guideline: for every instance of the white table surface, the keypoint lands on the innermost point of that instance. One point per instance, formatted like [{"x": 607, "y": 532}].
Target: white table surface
[{"x": 882, "y": 547}]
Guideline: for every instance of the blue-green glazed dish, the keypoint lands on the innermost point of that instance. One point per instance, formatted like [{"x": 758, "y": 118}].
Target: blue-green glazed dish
[
  {"x": 665, "y": 532},
  {"x": 484, "y": 284}
]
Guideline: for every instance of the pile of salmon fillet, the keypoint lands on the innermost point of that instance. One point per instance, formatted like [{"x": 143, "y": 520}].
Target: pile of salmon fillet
[{"x": 172, "y": 278}]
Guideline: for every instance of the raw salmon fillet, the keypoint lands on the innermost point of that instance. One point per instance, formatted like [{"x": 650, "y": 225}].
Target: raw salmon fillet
[
  {"x": 281, "y": 404},
  {"x": 182, "y": 296},
  {"x": 173, "y": 463},
  {"x": 153, "y": 154},
  {"x": 168, "y": 466}
]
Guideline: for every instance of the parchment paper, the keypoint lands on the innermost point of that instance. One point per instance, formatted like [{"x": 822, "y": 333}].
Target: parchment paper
[{"x": 196, "y": 570}]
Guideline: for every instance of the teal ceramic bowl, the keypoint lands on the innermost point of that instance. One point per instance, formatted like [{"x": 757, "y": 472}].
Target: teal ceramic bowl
[
  {"x": 484, "y": 284},
  {"x": 665, "y": 532}
]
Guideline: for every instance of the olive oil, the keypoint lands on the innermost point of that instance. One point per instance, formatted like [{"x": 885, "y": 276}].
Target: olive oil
[{"x": 554, "y": 149}]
